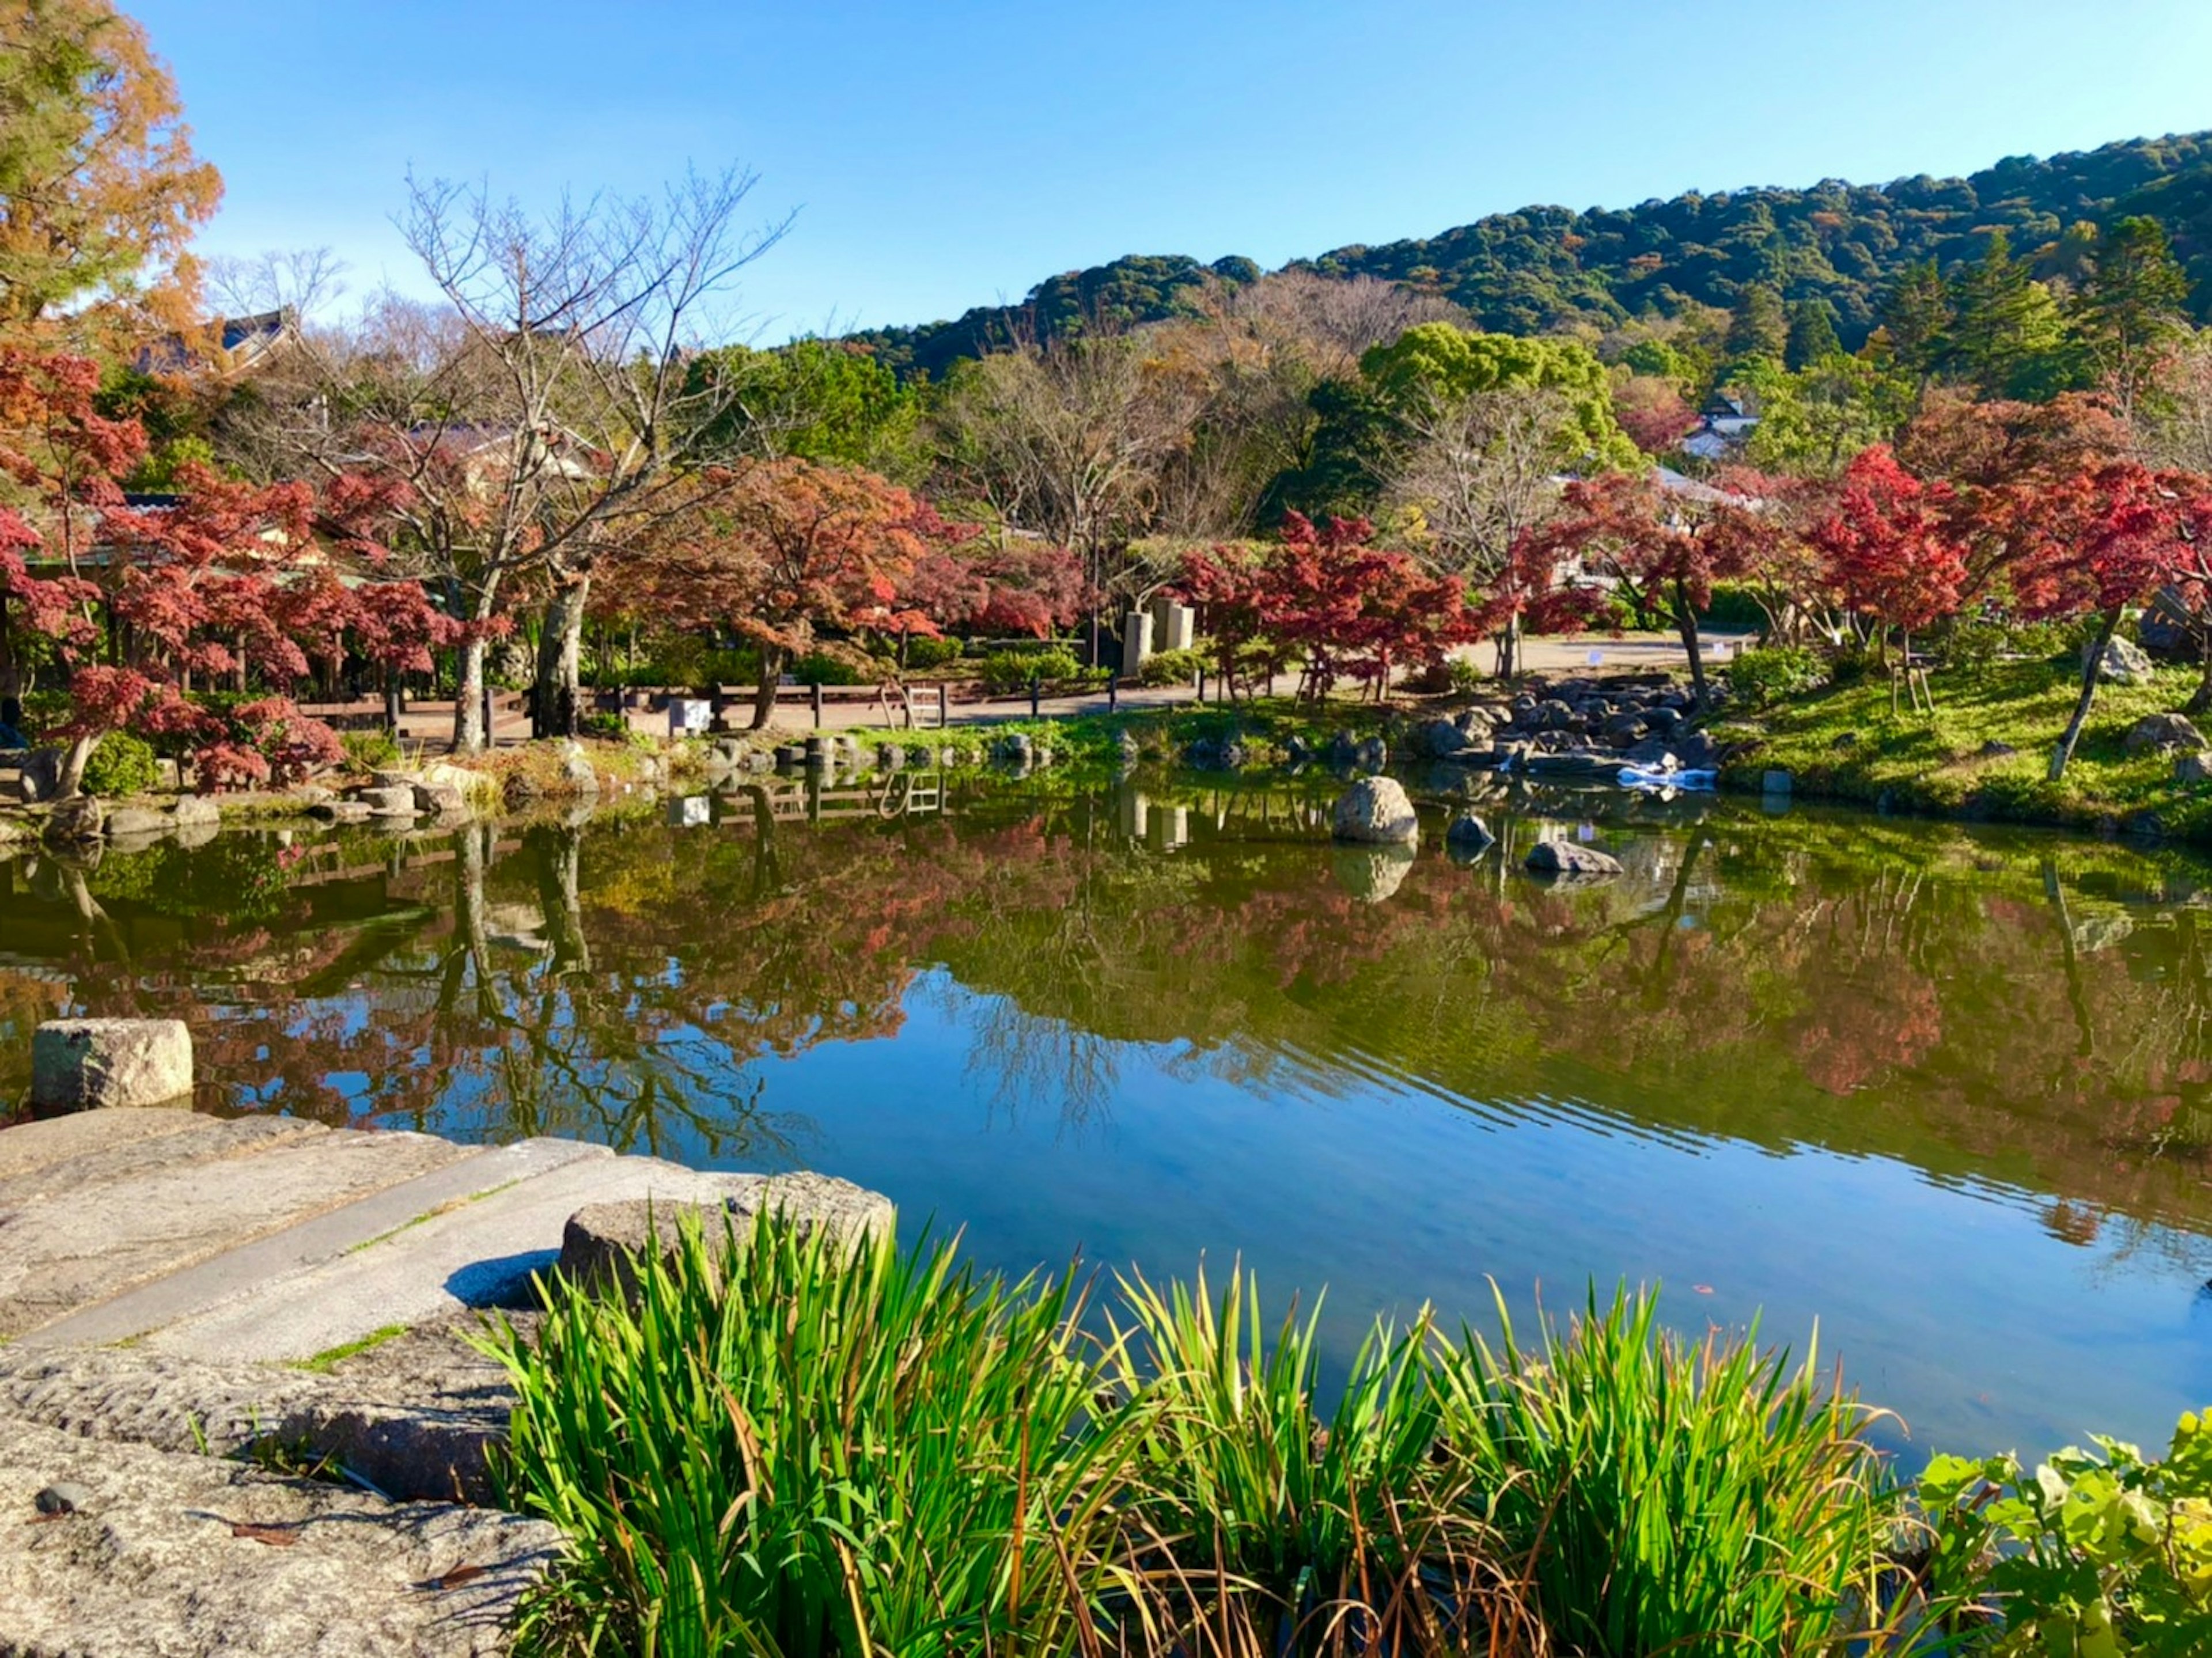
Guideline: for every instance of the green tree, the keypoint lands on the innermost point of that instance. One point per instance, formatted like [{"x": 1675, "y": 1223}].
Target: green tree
[
  {"x": 1813, "y": 421},
  {"x": 1811, "y": 333},
  {"x": 822, "y": 400},
  {"x": 2129, "y": 310},
  {"x": 1917, "y": 316},
  {"x": 1435, "y": 365},
  {"x": 100, "y": 190},
  {"x": 1758, "y": 325},
  {"x": 2008, "y": 337}
]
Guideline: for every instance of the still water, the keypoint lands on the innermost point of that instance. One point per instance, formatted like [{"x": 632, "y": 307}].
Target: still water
[{"x": 1946, "y": 1091}]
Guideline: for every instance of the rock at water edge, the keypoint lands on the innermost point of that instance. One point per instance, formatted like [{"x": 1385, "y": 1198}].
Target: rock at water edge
[{"x": 82, "y": 1065}]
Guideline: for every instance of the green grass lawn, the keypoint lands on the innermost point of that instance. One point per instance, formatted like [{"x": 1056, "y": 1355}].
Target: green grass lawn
[{"x": 1844, "y": 743}]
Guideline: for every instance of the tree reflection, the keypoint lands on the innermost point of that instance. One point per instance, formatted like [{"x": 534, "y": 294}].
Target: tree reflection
[{"x": 2026, "y": 1011}]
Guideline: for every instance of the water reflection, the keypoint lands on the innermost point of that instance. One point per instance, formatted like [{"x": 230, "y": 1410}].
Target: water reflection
[{"x": 1947, "y": 1089}]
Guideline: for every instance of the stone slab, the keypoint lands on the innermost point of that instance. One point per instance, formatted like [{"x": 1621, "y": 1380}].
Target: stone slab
[
  {"x": 181, "y": 1556},
  {"x": 471, "y": 1173},
  {"x": 480, "y": 1255},
  {"x": 75, "y": 1247},
  {"x": 193, "y": 1139},
  {"x": 29, "y": 1145}
]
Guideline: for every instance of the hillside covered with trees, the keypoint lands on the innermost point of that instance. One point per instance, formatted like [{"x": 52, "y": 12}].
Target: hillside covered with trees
[{"x": 1550, "y": 268}]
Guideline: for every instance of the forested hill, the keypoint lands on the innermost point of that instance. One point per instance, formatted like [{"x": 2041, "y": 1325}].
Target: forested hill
[{"x": 1527, "y": 272}]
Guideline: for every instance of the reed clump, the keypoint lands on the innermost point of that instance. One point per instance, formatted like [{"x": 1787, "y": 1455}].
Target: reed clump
[{"x": 787, "y": 1446}]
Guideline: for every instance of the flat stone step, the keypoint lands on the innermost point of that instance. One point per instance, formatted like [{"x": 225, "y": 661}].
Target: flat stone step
[
  {"x": 30, "y": 1145},
  {"x": 191, "y": 1139},
  {"x": 478, "y": 1254},
  {"x": 182, "y": 1554},
  {"x": 472, "y": 1174},
  {"x": 79, "y": 1245}
]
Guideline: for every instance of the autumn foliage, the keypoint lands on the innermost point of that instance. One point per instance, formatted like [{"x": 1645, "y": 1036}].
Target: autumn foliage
[{"x": 1328, "y": 600}]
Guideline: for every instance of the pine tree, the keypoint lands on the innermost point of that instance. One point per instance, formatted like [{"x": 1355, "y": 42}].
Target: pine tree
[
  {"x": 1811, "y": 333},
  {"x": 2130, "y": 311}
]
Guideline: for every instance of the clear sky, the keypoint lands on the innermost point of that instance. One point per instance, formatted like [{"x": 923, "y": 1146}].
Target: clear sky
[{"x": 952, "y": 152}]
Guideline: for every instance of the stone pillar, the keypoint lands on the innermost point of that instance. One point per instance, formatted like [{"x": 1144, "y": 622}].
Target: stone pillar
[
  {"x": 1136, "y": 642},
  {"x": 81, "y": 1065},
  {"x": 1180, "y": 628}
]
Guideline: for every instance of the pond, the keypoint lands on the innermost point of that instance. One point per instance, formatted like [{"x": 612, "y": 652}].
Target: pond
[{"x": 1946, "y": 1090}]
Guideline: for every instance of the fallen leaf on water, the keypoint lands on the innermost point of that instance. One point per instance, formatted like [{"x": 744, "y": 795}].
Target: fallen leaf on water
[
  {"x": 1703, "y": 1289},
  {"x": 458, "y": 1576},
  {"x": 276, "y": 1537}
]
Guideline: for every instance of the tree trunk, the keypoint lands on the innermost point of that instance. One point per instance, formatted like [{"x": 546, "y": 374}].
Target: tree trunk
[
  {"x": 11, "y": 674},
  {"x": 2090, "y": 670},
  {"x": 469, "y": 736},
  {"x": 75, "y": 759},
  {"x": 771, "y": 674},
  {"x": 560, "y": 661},
  {"x": 391, "y": 705},
  {"x": 1685, "y": 623},
  {"x": 2200, "y": 699}
]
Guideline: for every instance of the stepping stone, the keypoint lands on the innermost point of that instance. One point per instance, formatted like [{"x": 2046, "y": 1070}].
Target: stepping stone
[
  {"x": 189, "y": 1140},
  {"x": 481, "y": 1254},
  {"x": 75, "y": 1245},
  {"x": 471, "y": 1173},
  {"x": 186, "y": 1554}
]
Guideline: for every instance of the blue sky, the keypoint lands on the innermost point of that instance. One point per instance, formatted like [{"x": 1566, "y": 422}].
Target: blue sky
[{"x": 949, "y": 155}]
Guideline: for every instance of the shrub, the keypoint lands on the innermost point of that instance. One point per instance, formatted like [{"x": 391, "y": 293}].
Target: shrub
[
  {"x": 122, "y": 764},
  {"x": 1673, "y": 1496},
  {"x": 607, "y": 727},
  {"x": 2095, "y": 1554},
  {"x": 370, "y": 750},
  {"x": 832, "y": 668},
  {"x": 1734, "y": 605},
  {"x": 1006, "y": 672},
  {"x": 1174, "y": 667},
  {"x": 1767, "y": 676},
  {"x": 924, "y": 653}
]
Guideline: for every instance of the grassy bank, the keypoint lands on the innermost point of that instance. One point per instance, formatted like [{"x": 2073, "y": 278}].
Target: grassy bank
[
  {"x": 781, "y": 1450},
  {"x": 1984, "y": 753}
]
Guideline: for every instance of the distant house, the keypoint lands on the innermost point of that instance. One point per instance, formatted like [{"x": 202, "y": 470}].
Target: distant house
[
  {"x": 1724, "y": 425},
  {"x": 224, "y": 347}
]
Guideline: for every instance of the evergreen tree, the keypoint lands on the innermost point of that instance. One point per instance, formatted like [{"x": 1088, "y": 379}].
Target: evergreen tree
[
  {"x": 2129, "y": 311},
  {"x": 1758, "y": 327},
  {"x": 1811, "y": 333},
  {"x": 1916, "y": 314},
  {"x": 2008, "y": 337}
]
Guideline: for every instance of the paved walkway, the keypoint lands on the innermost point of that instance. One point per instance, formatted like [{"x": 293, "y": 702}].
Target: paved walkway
[
  {"x": 165, "y": 1278},
  {"x": 429, "y": 725}
]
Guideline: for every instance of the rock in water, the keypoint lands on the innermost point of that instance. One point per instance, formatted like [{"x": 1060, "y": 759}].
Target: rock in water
[
  {"x": 81, "y": 1065},
  {"x": 1375, "y": 812},
  {"x": 1570, "y": 860},
  {"x": 1469, "y": 835}
]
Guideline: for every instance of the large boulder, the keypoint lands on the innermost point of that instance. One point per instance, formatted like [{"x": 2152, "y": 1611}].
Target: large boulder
[
  {"x": 2162, "y": 732},
  {"x": 136, "y": 823},
  {"x": 2124, "y": 662},
  {"x": 1570, "y": 860},
  {"x": 388, "y": 800},
  {"x": 196, "y": 811},
  {"x": 576, "y": 770},
  {"x": 1375, "y": 812},
  {"x": 602, "y": 1242},
  {"x": 81, "y": 1065},
  {"x": 1441, "y": 739},
  {"x": 2193, "y": 768}
]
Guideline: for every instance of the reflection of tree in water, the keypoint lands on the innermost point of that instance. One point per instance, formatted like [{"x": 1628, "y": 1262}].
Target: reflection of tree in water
[{"x": 2031, "y": 1021}]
